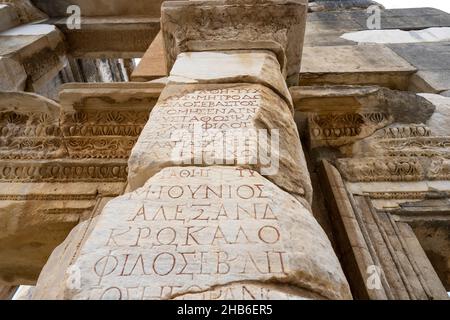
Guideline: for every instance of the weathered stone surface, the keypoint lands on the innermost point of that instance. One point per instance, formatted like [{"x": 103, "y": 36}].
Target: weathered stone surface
[
  {"x": 326, "y": 28},
  {"x": 99, "y": 122},
  {"x": 380, "y": 215},
  {"x": 38, "y": 48},
  {"x": 189, "y": 118},
  {"x": 54, "y": 166},
  {"x": 397, "y": 140},
  {"x": 52, "y": 281},
  {"x": 8, "y": 17},
  {"x": 236, "y": 25},
  {"x": 409, "y": 19},
  {"x": 394, "y": 169},
  {"x": 153, "y": 64},
  {"x": 355, "y": 65},
  {"x": 109, "y": 96},
  {"x": 103, "y": 8},
  {"x": 13, "y": 75},
  {"x": 192, "y": 229},
  {"x": 109, "y": 37},
  {"x": 433, "y": 236},
  {"x": 259, "y": 67},
  {"x": 342, "y": 115},
  {"x": 23, "y": 293},
  {"x": 30, "y": 127},
  {"x": 7, "y": 292}
]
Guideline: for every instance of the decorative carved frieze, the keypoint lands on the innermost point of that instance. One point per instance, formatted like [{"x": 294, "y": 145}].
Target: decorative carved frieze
[
  {"x": 96, "y": 127},
  {"x": 63, "y": 171},
  {"x": 102, "y": 134},
  {"x": 394, "y": 169},
  {"x": 405, "y": 131},
  {"x": 337, "y": 129},
  {"x": 104, "y": 123}
]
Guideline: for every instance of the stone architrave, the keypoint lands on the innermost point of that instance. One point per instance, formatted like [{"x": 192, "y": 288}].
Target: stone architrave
[{"x": 36, "y": 51}]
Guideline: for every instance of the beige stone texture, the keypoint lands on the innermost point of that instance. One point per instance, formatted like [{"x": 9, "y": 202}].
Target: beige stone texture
[
  {"x": 8, "y": 17},
  {"x": 54, "y": 168},
  {"x": 193, "y": 230},
  {"x": 439, "y": 121},
  {"x": 13, "y": 75},
  {"x": 222, "y": 25},
  {"x": 236, "y": 66},
  {"x": 23, "y": 293},
  {"x": 25, "y": 11},
  {"x": 39, "y": 49},
  {"x": 215, "y": 109},
  {"x": 152, "y": 65},
  {"x": 339, "y": 116},
  {"x": 355, "y": 65},
  {"x": 36, "y": 217},
  {"x": 103, "y": 8},
  {"x": 114, "y": 37}
]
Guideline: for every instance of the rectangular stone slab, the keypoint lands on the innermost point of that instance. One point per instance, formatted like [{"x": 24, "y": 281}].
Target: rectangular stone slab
[
  {"x": 276, "y": 25},
  {"x": 361, "y": 65},
  {"x": 191, "y": 230}
]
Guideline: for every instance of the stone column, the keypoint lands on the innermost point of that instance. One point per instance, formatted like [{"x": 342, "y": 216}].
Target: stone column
[{"x": 219, "y": 193}]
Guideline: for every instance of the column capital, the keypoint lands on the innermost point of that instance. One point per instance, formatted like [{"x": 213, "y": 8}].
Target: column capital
[{"x": 276, "y": 25}]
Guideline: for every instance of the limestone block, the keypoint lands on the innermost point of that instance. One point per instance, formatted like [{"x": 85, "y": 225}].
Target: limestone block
[
  {"x": 431, "y": 61},
  {"x": 153, "y": 64},
  {"x": 38, "y": 48},
  {"x": 13, "y": 75},
  {"x": 260, "y": 67},
  {"x": 30, "y": 127},
  {"x": 205, "y": 124},
  {"x": 36, "y": 217},
  {"x": 355, "y": 65},
  {"x": 26, "y": 11},
  {"x": 401, "y": 140},
  {"x": 222, "y": 25},
  {"x": 192, "y": 230},
  {"x": 8, "y": 17},
  {"x": 104, "y": 120},
  {"x": 103, "y": 8},
  {"x": 23, "y": 293},
  {"x": 339, "y": 116},
  {"x": 394, "y": 169},
  {"x": 110, "y": 37},
  {"x": 439, "y": 121},
  {"x": 326, "y": 28},
  {"x": 250, "y": 291}
]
